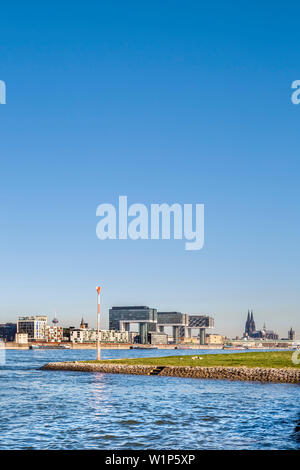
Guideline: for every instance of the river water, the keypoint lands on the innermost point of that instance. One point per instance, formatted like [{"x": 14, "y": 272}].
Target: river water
[{"x": 74, "y": 410}]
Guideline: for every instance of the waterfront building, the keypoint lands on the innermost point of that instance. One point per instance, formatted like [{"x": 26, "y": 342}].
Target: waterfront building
[
  {"x": 200, "y": 322},
  {"x": 8, "y": 331},
  {"x": 120, "y": 318},
  {"x": 215, "y": 339},
  {"x": 158, "y": 338},
  {"x": 291, "y": 334},
  {"x": 177, "y": 320},
  {"x": 183, "y": 324},
  {"x": 133, "y": 337},
  {"x": 114, "y": 336},
  {"x": 21, "y": 338},
  {"x": 83, "y": 335},
  {"x": 269, "y": 334},
  {"x": 150, "y": 321},
  {"x": 251, "y": 332},
  {"x": 34, "y": 326},
  {"x": 67, "y": 332},
  {"x": 54, "y": 334},
  {"x": 83, "y": 324}
]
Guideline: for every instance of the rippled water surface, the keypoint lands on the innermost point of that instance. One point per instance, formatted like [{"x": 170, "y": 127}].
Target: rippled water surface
[{"x": 73, "y": 410}]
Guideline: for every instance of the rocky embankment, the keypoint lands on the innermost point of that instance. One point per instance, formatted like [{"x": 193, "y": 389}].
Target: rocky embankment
[{"x": 259, "y": 374}]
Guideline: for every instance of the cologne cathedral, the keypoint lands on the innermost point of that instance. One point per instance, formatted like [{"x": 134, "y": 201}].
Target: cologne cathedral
[{"x": 251, "y": 332}]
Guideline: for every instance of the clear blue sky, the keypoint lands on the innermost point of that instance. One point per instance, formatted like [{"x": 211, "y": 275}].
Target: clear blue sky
[{"x": 169, "y": 101}]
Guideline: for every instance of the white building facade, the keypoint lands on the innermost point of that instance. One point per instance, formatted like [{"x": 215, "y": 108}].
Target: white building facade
[
  {"x": 83, "y": 335},
  {"x": 34, "y": 326}
]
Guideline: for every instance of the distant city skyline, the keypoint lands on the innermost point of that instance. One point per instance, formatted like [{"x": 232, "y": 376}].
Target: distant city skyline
[
  {"x": 162, "y": 103},
  {"x": 91, "y": 321}
]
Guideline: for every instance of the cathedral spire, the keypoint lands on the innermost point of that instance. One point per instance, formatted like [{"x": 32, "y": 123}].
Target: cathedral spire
[
  {"x": 252, "y": 323},
  {"x": 247, "y": 326}
]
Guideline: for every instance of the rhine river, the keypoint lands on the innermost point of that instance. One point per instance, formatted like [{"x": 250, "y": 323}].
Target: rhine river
[{"x": 73, "y": 410}]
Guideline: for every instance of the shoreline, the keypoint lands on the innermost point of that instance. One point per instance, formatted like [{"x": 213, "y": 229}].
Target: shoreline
[
  {"x": 87, "y": 346},
  {"x": 127, "y": 346},
  {"x": 242, "y": 373}
]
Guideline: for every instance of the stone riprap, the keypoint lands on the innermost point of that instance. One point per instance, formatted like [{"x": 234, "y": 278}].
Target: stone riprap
[
  {"x": 94, "y": 367},
  {"x": 259, "y": 374}
]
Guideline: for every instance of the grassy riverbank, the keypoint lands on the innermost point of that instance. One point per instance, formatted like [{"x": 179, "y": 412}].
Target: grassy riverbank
[{"x": 269, "y": 359}]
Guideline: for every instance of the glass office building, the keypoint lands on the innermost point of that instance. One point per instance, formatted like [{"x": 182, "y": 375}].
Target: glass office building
[
  {"x": 120, "y": 318},
  {"x": 151, "y": 321}
]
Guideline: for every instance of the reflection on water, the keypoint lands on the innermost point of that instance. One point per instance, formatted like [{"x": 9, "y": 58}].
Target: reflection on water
[{"x": 72, "y": 410}]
